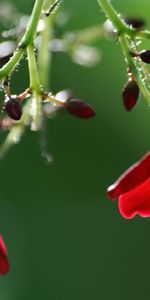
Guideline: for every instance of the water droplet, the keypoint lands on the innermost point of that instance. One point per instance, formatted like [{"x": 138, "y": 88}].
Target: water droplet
[{"x": 47, "y": 157}]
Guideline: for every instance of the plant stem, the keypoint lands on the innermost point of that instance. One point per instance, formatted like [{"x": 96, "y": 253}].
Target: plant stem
[
  {"x": 32, "y": 26},
  {"x": 34, "y": 77},
  {"x": 44, "y": 54},
  {"x": 119, "y": 24},
  {"x": 26, "y": 40},
  {"x": 125, "y": 31},
  {"x": 142, "y": 34},
  {"x": 36, "y": 90},
  {"x": 114, "y": 17}
]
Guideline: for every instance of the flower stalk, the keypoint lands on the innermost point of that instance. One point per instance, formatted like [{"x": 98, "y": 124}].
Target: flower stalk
[
  {"x": 126, "y": 36},
  {"x": 26, "y": 40}
]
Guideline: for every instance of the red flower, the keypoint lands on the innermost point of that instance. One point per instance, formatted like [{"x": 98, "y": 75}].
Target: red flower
[
  {"x": 4, "y": 264},
  {"x": 133, "y": 190}
]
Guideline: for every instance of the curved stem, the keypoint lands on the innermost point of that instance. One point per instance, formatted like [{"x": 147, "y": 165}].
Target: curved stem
[
  {"x": 125, "y": 31},
  {"x": 119, "y": 24},
  {"x": 26, "y": 40},
  {"x": 114, "y": 17},
  {"x": 32, "y": 26}
]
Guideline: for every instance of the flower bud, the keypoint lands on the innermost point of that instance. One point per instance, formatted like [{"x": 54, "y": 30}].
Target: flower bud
[
  {"x": 130, "y": 94},
  {"x": 136, "y": 23},
  {"x": 145, "y": 56},
  {"x": 79, "y": 108},
  {"x": 13, "y": 108}
]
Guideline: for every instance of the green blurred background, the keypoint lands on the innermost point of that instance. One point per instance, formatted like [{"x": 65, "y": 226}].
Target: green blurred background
[{"x": 66, "y": 240}]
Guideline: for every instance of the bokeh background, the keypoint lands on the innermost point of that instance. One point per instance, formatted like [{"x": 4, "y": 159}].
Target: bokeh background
[{"x": 66, "y": 240}]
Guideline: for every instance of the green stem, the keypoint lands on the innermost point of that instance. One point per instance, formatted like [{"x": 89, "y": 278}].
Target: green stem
[
  {"x": 44, "y": 55},
  {"x": 142, "y": 34},
  {"x": 36, "y": 110},
  {"x": 32, "y": 26},
  {"x": 26, "y": 40},
  {"x": 131, "y": 65},
  {"x": 34, "y": 77},
  {"x": 119, "y": 24},
  {"x": 125, "y": 31},
  {"x": 114, "y": 17}
]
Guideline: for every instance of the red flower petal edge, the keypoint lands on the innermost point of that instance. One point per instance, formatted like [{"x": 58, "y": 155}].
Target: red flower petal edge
[
  {"x": 79, "y": 109},
  {"x": 4, "y": 264},
  {"x": 136, "y": 201},
  {"x": 134, "y": 176}
]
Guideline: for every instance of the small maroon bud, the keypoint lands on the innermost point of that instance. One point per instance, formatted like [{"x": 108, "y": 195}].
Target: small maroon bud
[
  {"x": 136, "y": 23},
  {"x": 145, "y": 56},
  {"x": 130, "y": 94},
  {"x": 13, "y": 108},
  {"x": 79, "y": 108}
]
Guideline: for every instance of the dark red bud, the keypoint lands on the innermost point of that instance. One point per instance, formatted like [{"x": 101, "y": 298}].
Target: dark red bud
[
  {"x": 130, "y": 94},
  {"x": 13, "y": 108},
  {"x": 79, "y": 108},
  {"x": 145, "y": 56},
  {"x": 136, "y": 23}
]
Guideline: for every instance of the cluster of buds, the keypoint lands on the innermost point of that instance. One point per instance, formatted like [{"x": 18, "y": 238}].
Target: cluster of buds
[
  {"x": 130, "y": 92},
  {"x": 13, "y": 106}
]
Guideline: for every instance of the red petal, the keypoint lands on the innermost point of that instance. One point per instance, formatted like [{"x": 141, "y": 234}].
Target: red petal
[
  {"x": 4, "y": 264},
  {"x": 130, "y": 179},
  {"x": 79, "y": 109},
  {"x": 136, "y": 201}
]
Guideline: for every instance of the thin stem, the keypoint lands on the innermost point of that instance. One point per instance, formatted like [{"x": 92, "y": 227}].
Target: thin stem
[
  {"x": 114, "y": 17},
  {"x": 34, "y": 77},
  {"x": 44, "y": 54},
  {"x": 36, "y": 110},
  {"x": 119, "y": 24},
  {"x": 125, "y": 31},
  {"x": 142, "y": 34},
  {"x": 52, "y": 8},
  {"x": 26, "y": 40},
  {"x": 32, "y": 26}
]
